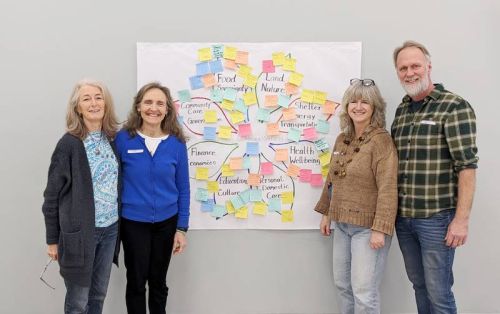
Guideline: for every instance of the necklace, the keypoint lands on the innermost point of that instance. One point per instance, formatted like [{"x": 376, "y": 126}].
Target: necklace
[{"x": 97, "y": 143}]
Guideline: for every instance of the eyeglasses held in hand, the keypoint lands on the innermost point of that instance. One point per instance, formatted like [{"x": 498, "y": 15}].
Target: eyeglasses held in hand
[
  {"x": 364, "y": 82},
  {"x": 43, "y": 273}
]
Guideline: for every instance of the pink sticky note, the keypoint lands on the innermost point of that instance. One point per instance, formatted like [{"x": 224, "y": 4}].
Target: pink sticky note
[
  {"x": 245, "y": 129},
  {"x": 310, "y": 133},
  {"x": 268, "y": 66},
  {"x": 316, "y": 179},
  {"x": 305, "y": 175},
  {"x": 266, "y": 168}
]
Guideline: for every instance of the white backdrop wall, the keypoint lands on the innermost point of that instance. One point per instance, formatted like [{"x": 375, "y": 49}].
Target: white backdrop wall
[{"x": 46, "y": 46}]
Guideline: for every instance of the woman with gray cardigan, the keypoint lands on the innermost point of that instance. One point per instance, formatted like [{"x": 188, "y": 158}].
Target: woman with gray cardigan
[{"x": 81, "y": 200}]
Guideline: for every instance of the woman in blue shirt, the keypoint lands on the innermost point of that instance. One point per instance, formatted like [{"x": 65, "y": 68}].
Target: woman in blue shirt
[
  {"x": 155, "y": 200},
  {"x": 81, "y": 200}
]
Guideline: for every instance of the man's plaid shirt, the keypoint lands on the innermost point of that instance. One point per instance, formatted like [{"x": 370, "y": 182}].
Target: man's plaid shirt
[{"x": 434, "y": 144}]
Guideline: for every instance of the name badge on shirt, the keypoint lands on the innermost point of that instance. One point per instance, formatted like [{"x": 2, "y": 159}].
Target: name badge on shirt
[
  {"x": 135, "y": 151},
  {"x": 429, "y": 122}
]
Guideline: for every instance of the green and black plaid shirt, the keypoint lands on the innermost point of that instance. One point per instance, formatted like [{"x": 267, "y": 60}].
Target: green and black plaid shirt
[{"x": 434, "y": 143}]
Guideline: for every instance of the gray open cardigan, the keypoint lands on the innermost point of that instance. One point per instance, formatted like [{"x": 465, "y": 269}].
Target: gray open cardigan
[{"x": 70, "y": 212}]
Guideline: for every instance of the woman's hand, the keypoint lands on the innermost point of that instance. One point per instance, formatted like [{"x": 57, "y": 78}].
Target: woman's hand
[
  {"x": 180, "y": 242},
  {"x": 377, "y": 240},
  {"x": 324, "y": 225},
  {"x": 52, "y": 251}
]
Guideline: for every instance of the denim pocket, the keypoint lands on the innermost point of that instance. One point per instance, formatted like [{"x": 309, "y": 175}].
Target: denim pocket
[
  {"x": 71, "y": 249},
  {"x": 444, "y": 217}
]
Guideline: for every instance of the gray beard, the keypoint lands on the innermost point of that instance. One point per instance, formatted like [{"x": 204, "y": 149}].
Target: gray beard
[{"x": 416, "y": 89}]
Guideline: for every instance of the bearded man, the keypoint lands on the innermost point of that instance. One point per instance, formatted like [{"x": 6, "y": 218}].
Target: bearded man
[{"x": 435, "y": 134}]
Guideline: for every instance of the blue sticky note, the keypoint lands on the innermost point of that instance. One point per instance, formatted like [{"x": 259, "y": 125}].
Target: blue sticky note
[
  {"x": 283, "y": 100},
  {"x": 216, "y": 66},
  {"x": 323, "y": 126},
  {"x": 230, "y": 94},
  {"x": 218, "y": 211},
  {"x": 207, "y": 206},
  {"x": 218, "y": 51},
  {"x": 255, "y": 195},
  {"x": 321, "y": 144},
  {"x": 196, "y": 82},
  {"x": 253, "y": 148},
  {"x": 184, "y": 95},
  {"x": 246, "y": 162},
  {"x": 201, "y": 194},
  {"x": 216, "y": 95},
  {"x": 202, "y": 68},
  {"x": 294, "y": 134},
  {"x": 240, "y": 106},
  {"x": 237, "y": 202},
  {"x": 274, "y": 204},
  {"x": 210, "y": 133},
  {"x": 180, "y": 119},
  {"x": 245, "y": 196},
  {"x": 263, "y": 115}
]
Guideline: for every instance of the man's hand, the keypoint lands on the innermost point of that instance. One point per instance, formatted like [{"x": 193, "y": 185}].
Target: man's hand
[{"x": 458, "y": 230}]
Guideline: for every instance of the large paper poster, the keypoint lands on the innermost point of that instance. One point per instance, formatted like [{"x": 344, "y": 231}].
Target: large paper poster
[{"x": 261, "y": 120}]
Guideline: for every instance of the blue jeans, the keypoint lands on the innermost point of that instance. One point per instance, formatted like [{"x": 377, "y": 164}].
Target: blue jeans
[
  {"x": 428, "y": 261},
  {"x": 357, "y": 268},
  {"x": 90, "y": 300}
]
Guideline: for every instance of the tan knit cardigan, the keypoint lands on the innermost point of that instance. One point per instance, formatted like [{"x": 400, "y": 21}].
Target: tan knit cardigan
[{"x": 363, "y": 174}]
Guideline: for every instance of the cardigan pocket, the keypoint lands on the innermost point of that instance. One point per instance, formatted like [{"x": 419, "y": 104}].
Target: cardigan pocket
[{"x": 71, "y": 249}]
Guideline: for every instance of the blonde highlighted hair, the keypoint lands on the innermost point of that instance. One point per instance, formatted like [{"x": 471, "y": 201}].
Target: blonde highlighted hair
[
  {"x": 74, "y": 120},
  {"x": 169, "y": 124},
  {"x": 369, "y": 94}
]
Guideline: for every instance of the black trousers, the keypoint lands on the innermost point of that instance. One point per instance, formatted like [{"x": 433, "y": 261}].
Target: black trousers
[{"x": 147, "y": 248}]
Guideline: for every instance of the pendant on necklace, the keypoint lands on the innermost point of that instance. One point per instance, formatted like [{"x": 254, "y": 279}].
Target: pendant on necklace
[{"x": 97, "y": 151}]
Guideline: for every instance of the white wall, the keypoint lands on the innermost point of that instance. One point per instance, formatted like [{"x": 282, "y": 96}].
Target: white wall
[{"x": 46, "y": 46}]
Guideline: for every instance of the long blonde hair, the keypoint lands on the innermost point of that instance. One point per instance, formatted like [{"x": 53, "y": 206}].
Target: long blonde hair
[
  {"x": 372, "y": 96},
  {"x": 74, "y": 120},
  {"x": 169, "y": 124}
]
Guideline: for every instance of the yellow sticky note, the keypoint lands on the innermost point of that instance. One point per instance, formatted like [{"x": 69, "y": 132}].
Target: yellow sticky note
[
  {"x": 289, "y": 64},
  {"x": 293, "y": 170},
  {"x": 236, "y": 163},
  {"x": 250, "y": 80},
  {"x": 281, "y": 154},
  {"x": 271, "y": 100},
  {"x": 226, "y": 171},
  {"x": 241, "y": 57},
  {"x": 319, "y": 97},
  {"x": 324, "y": 171},
  {"x": 273, "y": 129},
  {"x": 324, "y": 159},
  {"x": 296, "y": 78},
  {"x": 210, "y": 116},
  {"x": 213, "y": 186},
  {"x": 237, "y": 117},
  {"x": 229, "y": 64},
  {"x": 224, "y": 132},
  {"x": 287, "y": 197},
  {"x": 201, "y": 173},
  {"x": 249, "y": 98},
  {"x": 253, "y": 179},
  {"x": 328, "y": 107},
  {"x": 278, "y": 58},
  {"x": 205, "y": 54},
  {"x": 229, "y": 53},
  {"x": 260, "y": 208},
  {"x": 287, "y": 215},
  {"x": 230, "y": 208},
  {"x": 227, "y": 104},
  {"x": 307, "y": 95},
  {"x": 244, "y": 70},
  {"x": 242, "y": 213}
]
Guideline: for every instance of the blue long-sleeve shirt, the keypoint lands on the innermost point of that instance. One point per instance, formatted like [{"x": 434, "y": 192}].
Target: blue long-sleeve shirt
[{"x": 156, "y": 187}]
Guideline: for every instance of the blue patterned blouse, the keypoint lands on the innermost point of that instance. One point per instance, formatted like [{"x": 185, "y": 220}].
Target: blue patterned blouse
[{"x": 104, "y": 170}]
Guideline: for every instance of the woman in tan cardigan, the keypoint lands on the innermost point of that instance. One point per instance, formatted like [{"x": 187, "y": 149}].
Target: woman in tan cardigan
[{"x": 360, "y": 197}]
